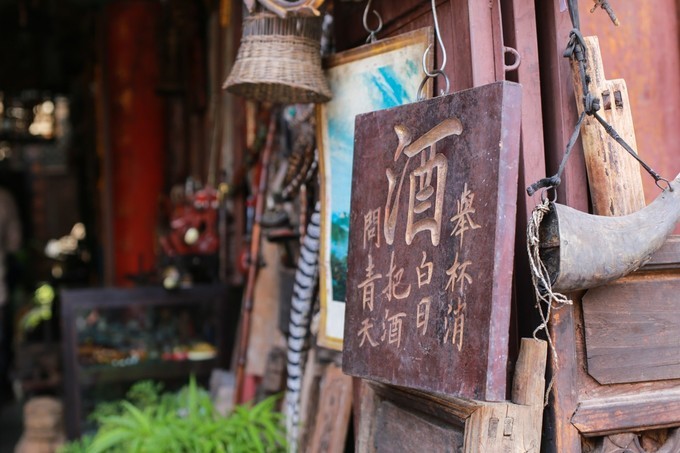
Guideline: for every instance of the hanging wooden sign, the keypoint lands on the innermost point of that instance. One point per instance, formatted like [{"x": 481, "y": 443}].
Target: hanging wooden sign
[{"x": 431, "y": 241}]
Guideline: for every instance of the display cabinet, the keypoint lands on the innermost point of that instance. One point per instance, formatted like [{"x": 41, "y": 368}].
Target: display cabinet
[{"x": 113, "y": 337}]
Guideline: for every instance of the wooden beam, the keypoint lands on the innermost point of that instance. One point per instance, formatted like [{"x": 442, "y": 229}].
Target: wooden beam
[{"x": 613, "y": 174}]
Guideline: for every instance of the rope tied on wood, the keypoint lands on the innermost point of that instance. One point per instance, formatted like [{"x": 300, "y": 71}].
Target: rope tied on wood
[{"x": 546, "y": 299}]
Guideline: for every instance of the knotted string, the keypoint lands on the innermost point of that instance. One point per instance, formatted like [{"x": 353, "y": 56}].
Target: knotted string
[{"x": 547, "y": 300}]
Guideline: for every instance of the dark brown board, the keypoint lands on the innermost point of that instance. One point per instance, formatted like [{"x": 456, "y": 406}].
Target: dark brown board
[
  {"x": 428, "y": 298},
  {"x": 397, "y": 429},
  {"x": 632, "y": 329},
  {"x": 332, "y": 418}
]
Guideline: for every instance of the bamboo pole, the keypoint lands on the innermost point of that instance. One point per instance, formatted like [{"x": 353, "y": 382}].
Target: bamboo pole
[{"x": 253, "y": 265}]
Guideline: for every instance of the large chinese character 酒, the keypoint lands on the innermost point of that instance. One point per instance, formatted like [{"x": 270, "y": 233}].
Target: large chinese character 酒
[{"x": 426, "y": 201}]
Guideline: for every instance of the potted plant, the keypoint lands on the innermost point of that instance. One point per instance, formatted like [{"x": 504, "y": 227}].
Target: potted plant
[{"x": 151, "y": 422}]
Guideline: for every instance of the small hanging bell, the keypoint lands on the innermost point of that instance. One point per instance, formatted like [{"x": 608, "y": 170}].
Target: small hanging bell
[{"x": 279, "y": 61}]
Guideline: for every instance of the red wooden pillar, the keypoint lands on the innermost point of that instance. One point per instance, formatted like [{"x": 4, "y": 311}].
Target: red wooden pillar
[{"x": 136, "y": 133}]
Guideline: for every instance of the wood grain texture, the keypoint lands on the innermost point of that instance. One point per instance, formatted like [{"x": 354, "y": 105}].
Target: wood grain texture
[
  {"x": 613, "y": 174},
  {"x": 456, "y": 410},
  {"x": 631, "y": 329},
  {"x": 504, "y": 427},
  {"x": 563, "y": 402},
  {"x": 264, "y": 332},
  {"x": 606, "y": 409},
  {"x": 559, "y": 109},
  {"x": 632, "y": 412},
  {"x": 644, "y": 50},
  {"x": 529, "y": 380},
  {"x": 332, "y": 417},
  {"x": 309, "y": 398},
  {"x": 484, "y": 427},
  {"x": 398, "y": 429},
  {"x": 667, "y": 257},
  {"x": 665, "y": 442},
  {"x": 365, "y": 404}
]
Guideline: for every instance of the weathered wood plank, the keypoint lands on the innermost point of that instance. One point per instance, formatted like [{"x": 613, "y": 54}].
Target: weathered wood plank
[
  {"x": 667, "y": 257},
  {"x": 455, "y": 410},
  {"x": 503, "y": 427},
  {"x": 631, "y": 329},
  {"x": 634, "y": 412},
  {"x": 529, "y": 381},
  {"x": 397, "y": 429},
  {"x": 563, "y": 401},
  {"x": 644, "y": 50},
  {"x": 613, "y": 174},
  {"x": 332, "y": 418},
  {"x": 486, "y": 427},
  {"x": 365, "y": 405},
  {"x": 309, "y": 398}
]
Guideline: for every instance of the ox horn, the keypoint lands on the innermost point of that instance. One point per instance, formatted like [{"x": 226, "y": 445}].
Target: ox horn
[{"x": 581, "y": 250}]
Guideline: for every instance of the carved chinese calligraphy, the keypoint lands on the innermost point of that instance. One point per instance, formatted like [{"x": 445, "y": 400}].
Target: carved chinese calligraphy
[{"x": 431, "y": 241}]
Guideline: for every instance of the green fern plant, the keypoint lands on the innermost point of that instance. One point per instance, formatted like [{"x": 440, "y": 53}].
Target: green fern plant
[{"x": 184, "y": 422}]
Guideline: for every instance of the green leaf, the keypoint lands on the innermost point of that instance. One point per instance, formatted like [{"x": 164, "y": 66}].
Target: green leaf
[
  {"x": 141, "y": 418},
  {"x": 106, "y": 440}
]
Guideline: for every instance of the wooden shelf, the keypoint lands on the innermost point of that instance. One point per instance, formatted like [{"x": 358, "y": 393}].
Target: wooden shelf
[{"x": 150, "y": 369}]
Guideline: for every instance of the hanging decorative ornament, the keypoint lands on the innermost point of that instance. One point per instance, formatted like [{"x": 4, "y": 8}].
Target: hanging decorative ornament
[{"x": 279, "y": 59}]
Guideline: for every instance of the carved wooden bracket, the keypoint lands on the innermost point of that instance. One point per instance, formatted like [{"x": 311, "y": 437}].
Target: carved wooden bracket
[{"x": 658, "y": 441}]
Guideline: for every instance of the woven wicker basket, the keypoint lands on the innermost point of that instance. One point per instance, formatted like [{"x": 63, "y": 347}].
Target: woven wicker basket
[{"x": 279, "y": 61}]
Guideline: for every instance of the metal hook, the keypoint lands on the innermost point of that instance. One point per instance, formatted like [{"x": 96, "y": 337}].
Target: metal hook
[
  {"x": 516, "y": 56},
  {"x": 372, "y": 32},
  {"x": 433, "y": 75},
  {"x": 439, "y": 37},
  {"x": 437, "y": 72},
  {"x": 661, "y": 182},
  {"x": 545, "y": 194}
]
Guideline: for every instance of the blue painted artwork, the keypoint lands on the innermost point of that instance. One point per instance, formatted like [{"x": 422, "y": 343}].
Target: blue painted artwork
[
  {"x": 365, "y": 79},
  {"x": 387, "y": 80}
]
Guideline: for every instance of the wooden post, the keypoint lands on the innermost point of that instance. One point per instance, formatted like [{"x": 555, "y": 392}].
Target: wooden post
[
  {"x": 516, "y": 426},
  {"x": 256, "y": 234},
  {"x": 529, "y": 380},
  {"x": 613, "y": 174},
  {"x": 332, "y": 418}
]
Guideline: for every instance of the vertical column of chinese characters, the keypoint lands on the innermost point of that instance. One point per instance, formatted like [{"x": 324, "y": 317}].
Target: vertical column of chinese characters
[
  {"x": 371, "y": 239},
  {"x": 460, "y": 278}
]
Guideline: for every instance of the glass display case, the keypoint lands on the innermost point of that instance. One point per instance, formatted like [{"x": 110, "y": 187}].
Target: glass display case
[{"x": 113, "y": 337}]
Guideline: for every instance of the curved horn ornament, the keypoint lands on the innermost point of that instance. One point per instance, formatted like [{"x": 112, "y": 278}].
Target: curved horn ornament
[{"x": 581, "y": 250}]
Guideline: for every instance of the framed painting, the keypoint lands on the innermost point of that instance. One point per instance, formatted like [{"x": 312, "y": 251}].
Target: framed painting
[{"x": 372, "y": 77}]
